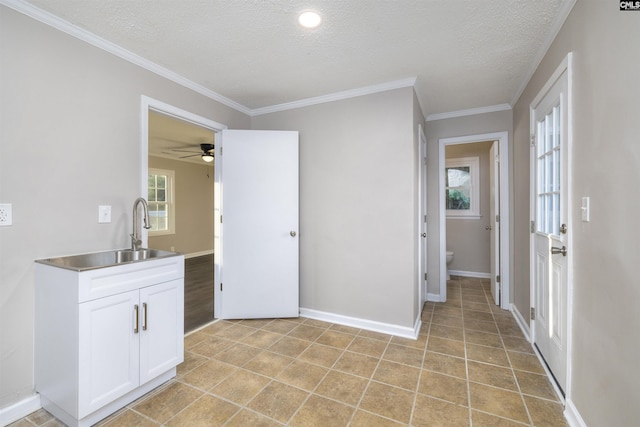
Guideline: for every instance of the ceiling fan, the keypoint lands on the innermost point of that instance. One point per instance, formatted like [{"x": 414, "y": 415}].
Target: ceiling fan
[{"x": 207, "y": 152}]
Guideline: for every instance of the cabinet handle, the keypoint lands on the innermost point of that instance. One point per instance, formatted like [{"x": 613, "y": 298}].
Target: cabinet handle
[
  {"x": 135, "y": 319},
  {"x": 144, "y": 316}
]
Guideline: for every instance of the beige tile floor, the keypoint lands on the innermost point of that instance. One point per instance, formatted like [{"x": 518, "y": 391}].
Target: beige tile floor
[{"x": 470, "y": 366}]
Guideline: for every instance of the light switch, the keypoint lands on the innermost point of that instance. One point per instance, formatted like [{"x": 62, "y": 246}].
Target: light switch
[
  {"x": 6, "y": 217},
  {"x": 585, "y": 209},
  {"x": 104, "y": 214}
]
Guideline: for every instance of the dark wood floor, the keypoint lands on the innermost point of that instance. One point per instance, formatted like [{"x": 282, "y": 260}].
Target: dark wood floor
[{"x": 198, "y": 292}]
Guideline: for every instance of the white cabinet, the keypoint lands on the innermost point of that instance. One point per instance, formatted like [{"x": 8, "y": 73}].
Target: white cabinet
[{"x": 104, "y": 337}]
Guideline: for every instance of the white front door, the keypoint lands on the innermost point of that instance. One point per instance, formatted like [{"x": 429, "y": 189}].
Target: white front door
[
  {"x": 257, "y": 240},
  {"x": 550, "y": 227},
  {"x": 494, "y": 222}
]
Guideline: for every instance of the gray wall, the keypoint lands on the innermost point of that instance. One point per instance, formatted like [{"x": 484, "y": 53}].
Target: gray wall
[
  {"x": 70, "y": 123},
  {"x": 358, "y": 160},
  {"x": 467, "y": 237},
  {"x": 193, "y": 207},
  {"x": 606, "y": 167},
  {"x": 500, "y": 121}
]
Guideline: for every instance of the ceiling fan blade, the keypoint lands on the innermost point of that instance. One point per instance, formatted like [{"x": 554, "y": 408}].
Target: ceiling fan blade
[
  {"x": 192, "y": 155},
  {"x": 184, "y": 151}
]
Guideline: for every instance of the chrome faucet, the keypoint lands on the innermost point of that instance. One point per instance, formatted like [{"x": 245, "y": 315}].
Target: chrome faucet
[{"x": 137, "y": 231}]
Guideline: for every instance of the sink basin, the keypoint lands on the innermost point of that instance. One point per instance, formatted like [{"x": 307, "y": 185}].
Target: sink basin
[{"x": 105, "y": 259}]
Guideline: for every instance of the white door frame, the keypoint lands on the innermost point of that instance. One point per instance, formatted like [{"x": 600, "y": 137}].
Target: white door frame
[
  {"x": 505, "y": 219},
  {"x": 422, "y": 214},
  {"x": 147, "y": 104},
  {"x": 565, "y": 65}
]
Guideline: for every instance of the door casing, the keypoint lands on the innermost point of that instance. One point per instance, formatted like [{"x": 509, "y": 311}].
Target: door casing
[
  {"x": 422, "y": 217},
  {"x": 505, "y": 219},
  {"x": 147, "y": 104}
]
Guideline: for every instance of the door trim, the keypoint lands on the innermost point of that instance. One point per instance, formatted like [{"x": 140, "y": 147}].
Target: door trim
[
  {"x": 422, "y": 213},
  {"x": 505, "y": 218},
  {"x": 566, "y": 65},
  {"x": 147, "y": 104}
]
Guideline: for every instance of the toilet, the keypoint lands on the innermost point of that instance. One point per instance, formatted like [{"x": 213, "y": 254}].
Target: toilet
[{"x": 449, "y": 259}]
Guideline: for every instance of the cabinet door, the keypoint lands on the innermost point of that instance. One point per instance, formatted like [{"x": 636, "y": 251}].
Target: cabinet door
[
  {"x": 108, "y": 350},
  {"x": 161, "y": 328}
]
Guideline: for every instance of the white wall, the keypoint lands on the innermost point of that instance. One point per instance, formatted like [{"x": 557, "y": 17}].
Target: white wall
[
  {"x": 606, "y": 167},
  {"x": 468, "y": 237},
  {"x": 500, "y": 121},
  {"x": 358, "y": 162},
  {"x": 70, "y": 141}
]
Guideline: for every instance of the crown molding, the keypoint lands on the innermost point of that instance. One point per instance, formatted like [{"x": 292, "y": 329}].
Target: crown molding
[
  {"x": 556, "y": 26},
  {"x": 337, "y": 96},
  {"x": 94, "y": 40},
  {"x": 469, "y": 112}
]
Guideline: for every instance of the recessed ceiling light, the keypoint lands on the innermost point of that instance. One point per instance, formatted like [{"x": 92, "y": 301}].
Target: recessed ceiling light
[{"x": 309, "y": 19}]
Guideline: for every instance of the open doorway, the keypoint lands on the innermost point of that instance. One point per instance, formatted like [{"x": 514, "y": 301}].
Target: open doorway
[
  {"x": 178, "y": 182},
  {"x": 469, "y": 207}
]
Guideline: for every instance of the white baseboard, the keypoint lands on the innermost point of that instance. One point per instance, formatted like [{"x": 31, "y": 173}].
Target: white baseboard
[
  {"x": 19, "y": 410},
  {"x": 574, "y": 419},
  {"x": 197, "y": 254},
  {"x": 434, "y": 297},
  {"x": 370, "y": 325},
  {"x": 522, "y": 322},
  {"x": 463, "y": 273}
]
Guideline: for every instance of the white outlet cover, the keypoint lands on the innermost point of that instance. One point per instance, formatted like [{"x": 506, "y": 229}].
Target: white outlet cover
[
  {"x": 6, "y": 217},
  {"x": 104, "y": 214}
]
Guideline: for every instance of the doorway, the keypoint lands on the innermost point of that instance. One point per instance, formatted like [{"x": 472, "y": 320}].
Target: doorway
[
  {"x": 171, "y": 150},
  {"x": 499, "y": 219}
]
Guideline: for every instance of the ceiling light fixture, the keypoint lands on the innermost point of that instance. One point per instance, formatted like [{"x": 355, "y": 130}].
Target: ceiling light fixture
[
  {"x": 207, "y": 157},
  {"x": 309, "y": 19}
]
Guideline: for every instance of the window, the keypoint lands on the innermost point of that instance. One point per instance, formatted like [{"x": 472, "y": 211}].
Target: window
[
  {"x": 462, "y": 187},
  {"x": 548, "y": 189},
  {"x": 161, "y": 202}
]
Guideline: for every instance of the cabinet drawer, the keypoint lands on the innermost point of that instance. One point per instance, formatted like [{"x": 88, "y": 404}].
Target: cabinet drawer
[{"x": 108, "y": 281}]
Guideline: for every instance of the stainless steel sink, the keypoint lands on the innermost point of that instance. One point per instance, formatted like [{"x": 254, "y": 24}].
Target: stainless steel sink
[{"x": 105, "y": 259}]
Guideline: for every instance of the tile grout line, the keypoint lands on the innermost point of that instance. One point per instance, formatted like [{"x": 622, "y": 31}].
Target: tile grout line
[{"x": 424, "y": 356}]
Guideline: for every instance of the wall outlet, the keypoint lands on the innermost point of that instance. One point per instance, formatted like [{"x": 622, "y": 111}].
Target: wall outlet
[{"x": 6, "y": 217}]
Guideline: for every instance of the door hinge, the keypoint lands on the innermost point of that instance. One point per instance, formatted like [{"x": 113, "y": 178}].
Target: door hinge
[
  {"x": 497, "y": 218},
  {"x": 533, "y": 140},
  {"x": 498, "y": 278},
  {"x": 425, "y": 276},
  {"x": 425, "y": 218},
  {"x": 533, "y": 313},
  {"x": 533, "y": 227},
  {"x": 221, "y": 150},
  {"x": 220, "y": 219},
  {"x": 220, "y": 286}
]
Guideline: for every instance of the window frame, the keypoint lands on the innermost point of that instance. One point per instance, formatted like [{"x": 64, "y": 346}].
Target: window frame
[
  {"x": 473, "y": 163},
  {"x": 170, "y": 202}
]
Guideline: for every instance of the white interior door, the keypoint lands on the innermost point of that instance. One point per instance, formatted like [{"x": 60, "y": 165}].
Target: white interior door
[
  {"x": 422, "y": 215},
  {"x": 494, "y": 222},
  {"x": 257, "y": 239},
  {"x": 549, "y": 261}
]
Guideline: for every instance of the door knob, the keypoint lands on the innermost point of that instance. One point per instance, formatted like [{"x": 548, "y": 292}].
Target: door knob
[
  {"x": 292, "y": 233},
  {"x": 488, "y": 227},
  {"x": 424, "y": 234},
  {"x": 556, "y": 251}
]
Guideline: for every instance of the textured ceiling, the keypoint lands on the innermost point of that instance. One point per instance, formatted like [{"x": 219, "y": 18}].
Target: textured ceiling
[{"x": 465, "y": 54}]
